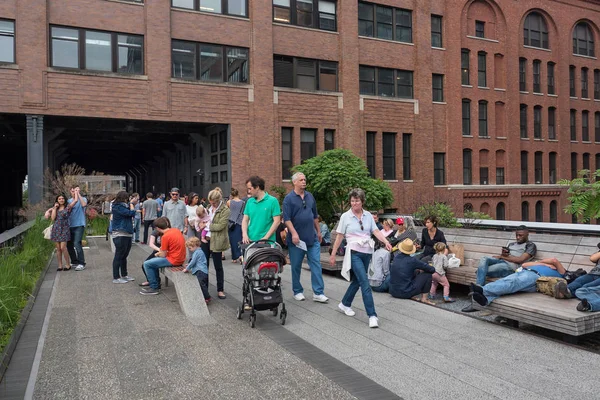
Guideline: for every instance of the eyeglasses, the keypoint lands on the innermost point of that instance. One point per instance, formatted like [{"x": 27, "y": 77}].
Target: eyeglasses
[
  {"x": 303, "y": 203},
  {"x": 174, "y": 194},
  {"x": 361, "y": 225}
]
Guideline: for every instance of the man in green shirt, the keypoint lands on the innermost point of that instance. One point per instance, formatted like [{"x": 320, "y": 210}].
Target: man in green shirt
[{"x": 262, "y": 213}]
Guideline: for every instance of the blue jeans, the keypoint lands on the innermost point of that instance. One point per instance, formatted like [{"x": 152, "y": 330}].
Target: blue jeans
[
  {"x": 151, "y": 267},
  {"x": 492, "y": 267},
  {"x": 74, "y": 246},
  {"x": 523, "y": 281},
  {"x": 591, "y": 294},
  {"x": 360, "y": 264},
  {"x": 584, "y": 281},
  {"x": 235, "y": 236},
  {"x": 313, "y": 254},
  {"x": 122, "y": 248},
  {"x": 136, "y": 230},
  {"x": 384, "y": 287}
]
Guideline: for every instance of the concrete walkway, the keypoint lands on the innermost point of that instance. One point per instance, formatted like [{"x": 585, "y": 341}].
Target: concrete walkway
[{"x": 105, "y": 341}]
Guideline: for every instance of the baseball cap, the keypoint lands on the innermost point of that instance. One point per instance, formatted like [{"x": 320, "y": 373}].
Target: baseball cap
[
  {"x": 400, "y": 221},
  {"x": 175, "y": 189}
]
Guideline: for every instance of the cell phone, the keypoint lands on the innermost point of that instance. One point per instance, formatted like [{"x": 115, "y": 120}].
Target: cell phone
[{"x": 505, "y": 249}]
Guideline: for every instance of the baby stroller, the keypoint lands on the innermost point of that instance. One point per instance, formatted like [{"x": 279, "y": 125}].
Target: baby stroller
[{"x": 262, "y": 264}]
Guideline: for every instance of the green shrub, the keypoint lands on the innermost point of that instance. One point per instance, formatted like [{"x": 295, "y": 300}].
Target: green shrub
[
  {"x": 97, "y": 226},
  {"x": 442, "y": 211}
]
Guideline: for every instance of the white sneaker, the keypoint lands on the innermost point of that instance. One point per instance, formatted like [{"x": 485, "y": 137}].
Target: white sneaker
[
  {"x": 321, "y": 298},
  {"x": 299, "y": 296},
  {"x": 80, "y": 267},
  {"x": 128, "y": 278},
  {"x": 346, "y": 310},
  {"x": 373, "y": 322},
  {"x": 120, "y": 280}
]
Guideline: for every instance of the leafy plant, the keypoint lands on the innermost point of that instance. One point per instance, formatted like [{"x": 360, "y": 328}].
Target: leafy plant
[
  {"x": 584, "y": 195},
  {"x": 442, "y": 211},
  {"x": 332, "y": 174},
  {"x": 470, "y": 218},
  {"x": 279, "y": 192}
]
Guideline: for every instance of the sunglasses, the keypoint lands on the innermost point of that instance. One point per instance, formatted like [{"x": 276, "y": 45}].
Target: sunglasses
[
  {"x": 361, "y": 225},
  {"x": 303, "y": 203},
  {"x": 174, "y": 194}
]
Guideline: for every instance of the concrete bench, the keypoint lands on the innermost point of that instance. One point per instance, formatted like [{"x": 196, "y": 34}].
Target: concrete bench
[{"x": 189, "y": 295}]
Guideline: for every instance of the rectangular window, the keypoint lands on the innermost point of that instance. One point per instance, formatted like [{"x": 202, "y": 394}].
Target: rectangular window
[
  {"x": 597, "y": 84},
  {"x": 573, "y": 124},
  {"x": 464, "y": 66},
  {"x": 573, "y": 165},
  {"x": 551, "y": 123},
  {"x": 65, "y": 47},
  {"x": 385, "y": 82},
  {"x": 522, "y": 74},
  {"x": 537, "y": 78},
  {"x": 584, "y": 83},
  {"x": 406, "y": 141},
  {"x": 481, "y": 69},
  {"x": 597, "y": 127},
  {"x": 389, "y": 155},
  {"x": 466, "y": 118},
  {"x": 523, "y": 120},
  {"x": 550, "y": 77},
  {"x": 308, "y": 141},
  {"x": 439, "y": 168},
  {"x": 327, "y": 15},
  {"x": 436, "y": 32},
  {"x": 209, "y": 62},
  {"x": 483, "y": 123},
  {"x": 7, "y": 41},
  {"x": 384, "y": 22},
  {"x": 537, "y": 122},
  {"x": 552, "y": 168},
  {"x": 384, "y": 19},
  {"x": 524, "y": 168},
  {"x": 500, "y": 176},
  {"x": 282, "y": 11},
  {"x": 365, "y": 19},
  {"x": 286, "y": 153},
  {"x": 226, "y": 7},
  {"x": 329, "y": 135},
  {"x": 301, "y": 73},
  {"x": 371, "y": 153},
  {"x": 538, "y": 167},
  {"x": 480, "y": 29},
  {"x": 437, "y": 82},
  {"x": 483, "y": 176},
  {"x": 304, "y": 13},
  {"x": 467, "y": 167},
  {"x": 130, "y": 54},
  {"x": 585, "y": 132},
  {"x": 572, "y": 81},
  {"x": 403, "y": 25}
]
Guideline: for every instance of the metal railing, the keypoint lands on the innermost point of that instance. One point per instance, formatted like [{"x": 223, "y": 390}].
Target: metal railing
[{"x": 12, "y": 239}]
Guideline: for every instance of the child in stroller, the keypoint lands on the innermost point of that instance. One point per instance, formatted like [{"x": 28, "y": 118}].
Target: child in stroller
[{"x": 261, "y": 267}]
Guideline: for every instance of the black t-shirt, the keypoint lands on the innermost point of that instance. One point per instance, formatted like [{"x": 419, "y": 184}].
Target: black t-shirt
[
  {"x": 278, "y": 239},
  {"x": 427, "y": 243}
]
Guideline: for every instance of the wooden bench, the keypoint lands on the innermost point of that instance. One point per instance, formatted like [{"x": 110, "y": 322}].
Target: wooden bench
[{"x": 189, "y": 295}]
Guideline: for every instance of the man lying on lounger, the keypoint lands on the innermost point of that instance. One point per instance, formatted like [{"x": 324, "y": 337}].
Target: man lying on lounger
[{"x": 523, "y": 280}]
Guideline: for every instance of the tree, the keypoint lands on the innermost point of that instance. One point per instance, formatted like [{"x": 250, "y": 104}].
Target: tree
[
  {"x": 332, "y": 174},
  {"x": 584, "y": 195},
  {"x": 442, "y": 211}
]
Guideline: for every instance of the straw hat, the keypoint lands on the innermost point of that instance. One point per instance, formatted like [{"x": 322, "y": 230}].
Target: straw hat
[{"x": 407, "y": 246}]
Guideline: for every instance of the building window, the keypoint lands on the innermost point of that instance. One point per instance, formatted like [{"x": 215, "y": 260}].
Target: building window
[
  {"x": 436, "y": 31},
  {"x": 523, "y": 74},
  {"x": 551, "y": 123},
  {"x": 371, "y": 153},
  {"x": 386, "y": 82},
  {"x": 500, "y": 211},
  {"x": 464, "y": 66},
  {"x": 523, "y": 120},
  {"x": 100, "y": 51},
  {"x": 539, "y": 211},
  {"x": 406, "y": 142},
  {"x": 467, "y": 167},
  {"x": 537, "y": 162},
  {"x": 209, "y": 62},
  {"x": 553, "y": 211},
  {"x": 550, "y": 78},
  {"x": 480, "y": 29},
  {"x": 286, "y": 153},
  {"x": 572, "y": 81},
  {"x": 524, "y": 211},
  {"x": 7, "y": 41},
  {"x": 466, "y": 117},
  {"x": 329, "y": 135},
  {"x": 537, "y": 122},
  {"x": 308, "y": 140},
  {"x": 573, "y": 165},
  {"x": 304, "y": 73},
  {"x": 389, "y": 155},
  {"x": 597, "y": 127},
  {"x": 483, "y": 123},
  {"x": 481, "y": 69},
  {"x": 535, "y": 31},
  {"x": 437, "y": 82},
  {"x": 583, "y": 40},
  {"x": 597, "y": 84},
  {"x": 237, "y": 8},
  {"x": 597, "y": 161},
  {"x": 537, "y": 79},
  {"x": 552, "y": 168},
  {"x": 524, "y": 168},
  {"x": 585, "y": 132},
  {"x": 586, "y": 161},
  {"x": 584, "y": 83},
  {"x": 483, "y": 175},
  {"x": 327, "y": 15},
  {"x": 500, "y": 176},
  {"x": 573, "y": 124},
  {"x": 384, "y": 22},
  {"x": 439, "y": 168}
]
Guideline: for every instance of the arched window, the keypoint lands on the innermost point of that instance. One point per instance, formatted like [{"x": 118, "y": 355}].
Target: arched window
[
  {"x": 583, "y": 40},
  {"x": 553, "y": 211},
  {"x": 535, "y": 31},
  {"x": 485, "y": 208},
  {"x": 539, "y": 211},
  {"x": 525, "y": 211},
  {"x": 500, "y": 211},
  {"x": 468, "y": 207}
]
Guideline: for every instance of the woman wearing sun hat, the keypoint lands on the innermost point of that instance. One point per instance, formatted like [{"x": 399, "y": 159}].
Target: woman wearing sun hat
[{"x": 403, "y": 282}]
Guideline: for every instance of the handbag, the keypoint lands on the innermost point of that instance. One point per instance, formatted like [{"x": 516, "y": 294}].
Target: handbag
[
  {"x": 231, "y": 225},
  {"x": 47, "y": 232}
]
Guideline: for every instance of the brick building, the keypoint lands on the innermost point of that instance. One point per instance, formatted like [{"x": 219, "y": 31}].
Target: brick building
[{"x": 482, "y": 104}]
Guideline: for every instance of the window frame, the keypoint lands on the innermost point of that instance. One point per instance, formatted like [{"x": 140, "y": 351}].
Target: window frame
[
  {"x": 572, "y": 89},
  {"x": 437, "y": 34},
  {"x": 467, "y": 167},
  {"x": 484, "y": 176},
  {"x": 224, "y": 8},
  {"x": 479, "y": 29},
  {"x": 524, "y": 168},
  {"x": 543, "y": 31},
  {"x": 465, "y": 67},
  {"x": 406, "y": 156},
  {"x": 552, "y": 159},
  {"x": 395, "y": 24},
  {"x": 552, "y": 123},
  {"x": 550, "y": 78},
  {"x": 597, "y": 84},
  {"x": 538, "y": 161},
  {"x": 328, "y": 145},
  {"x": 574, "y": 165},
  {"x": 376, "y": 82},
  {"x": 537, "y": 76},
  {"x": 313, "y": 142},
  {"x": 522, "y": 74},
  {"x": 573, "y": 124},
  {"x": 588, "y": 39},
  {"x": 483, "y": 119},
  {"x": 371, "y": 153},
  {"x": 537, "y": 122},
  {"x": 525, "y": 211},
  {"x": 524, "y": 133},
  {"x": 500, "y": 176},
  {"x": 14, "y": 40},
  {"x": 388, "y": 151},
  {"x": 437, "y": 87},
  {"x": 481, "y": 69},
  {"x": 466, "y": 120},
  {"x": 318, "y": 65},
  {"x": 584, "y": 83},
  {"x": 585, "y": 126},
  {"x": 286, "y": 172},
  {"x": 437, "y": 169}
]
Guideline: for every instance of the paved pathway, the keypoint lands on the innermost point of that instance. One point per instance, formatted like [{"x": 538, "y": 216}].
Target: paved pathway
[{"x": 106, "y": 341}]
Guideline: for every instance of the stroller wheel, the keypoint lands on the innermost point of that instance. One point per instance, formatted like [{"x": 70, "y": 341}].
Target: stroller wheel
[
  {"x": 240, "y": 311},
  {"x": 275, "y": 311},
  {"x": 252, "y": 320},
  {"x": 282, "y": 316}
]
